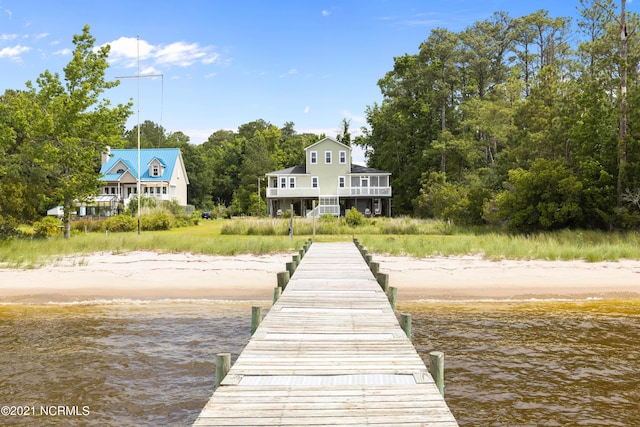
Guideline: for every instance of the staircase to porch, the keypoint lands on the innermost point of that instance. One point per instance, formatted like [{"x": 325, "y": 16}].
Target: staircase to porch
[{"x": 326, "y": 205}]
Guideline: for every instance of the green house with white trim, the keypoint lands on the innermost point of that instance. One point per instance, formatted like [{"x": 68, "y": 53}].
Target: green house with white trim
[{"x": 332, "y": 181}]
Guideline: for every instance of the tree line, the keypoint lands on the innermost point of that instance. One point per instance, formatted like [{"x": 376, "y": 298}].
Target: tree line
[
  {"x": 532, "y": 122},
  {"x": 529, "y": 123}
]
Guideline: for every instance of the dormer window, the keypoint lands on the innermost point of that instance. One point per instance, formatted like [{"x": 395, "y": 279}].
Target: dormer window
[
  {"x": 120, "y": 171},
  {"x": 155, "y": 170}
]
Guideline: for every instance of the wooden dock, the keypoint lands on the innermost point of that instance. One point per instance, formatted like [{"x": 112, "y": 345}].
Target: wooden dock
[{"x": 329, "y": 352}]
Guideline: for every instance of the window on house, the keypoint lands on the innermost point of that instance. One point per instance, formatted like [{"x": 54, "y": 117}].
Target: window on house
[
  {"x": 292, "y": 182},
  {"x": 327, "y": 157},
  {"x": 341, "y": 181},
  {"x": 164, "y": 190},
  {"x": 155, "y": 170},
  {"x": 283, "y": 182},
  {"x": 343, "y": 157},
  {"x": 314, "y": 157},
  {"x": 120, "y": 171},
  {"x": 113, "y": 190},
  {"x": 314, "y": 182}
]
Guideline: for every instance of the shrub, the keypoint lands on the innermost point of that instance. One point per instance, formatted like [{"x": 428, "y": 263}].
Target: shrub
[
  {"x": 47, "y": 227},
  {"x": 121, "y": 223},
  {"x": 160, "y": 221},
  {"x": 354, "y": 217}
]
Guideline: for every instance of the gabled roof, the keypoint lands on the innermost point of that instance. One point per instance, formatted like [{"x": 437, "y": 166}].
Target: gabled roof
[
  {"x": 167, "y": 156},
  {"x": 296, "y": 170},
  {"x": 330, "y": 139}
]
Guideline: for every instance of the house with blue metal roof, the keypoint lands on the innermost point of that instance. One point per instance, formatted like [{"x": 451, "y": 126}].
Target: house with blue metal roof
[
  {"x": 162, "y": 175},
  {"x": 329, "y": 180}
]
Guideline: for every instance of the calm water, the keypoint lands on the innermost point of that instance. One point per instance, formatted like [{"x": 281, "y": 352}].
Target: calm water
[{"x": 507, "y": 364}]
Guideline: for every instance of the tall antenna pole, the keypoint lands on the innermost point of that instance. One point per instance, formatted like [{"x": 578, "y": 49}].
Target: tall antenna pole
[
  {"x": 138, "y": 126},
  {"x": 138, "y": 77}
]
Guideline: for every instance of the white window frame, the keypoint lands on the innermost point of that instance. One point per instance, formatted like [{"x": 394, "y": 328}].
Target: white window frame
[
  {"x": 283, "y": 182},
  {"x": 327, "y": 157},
  {"x": 315, "y": 182},
  {"x": 313, "y": 157},
  {"x": 343, "y": 157},
  {"x": 341, "y": 182},
  {"x": 292, "y": 182}
]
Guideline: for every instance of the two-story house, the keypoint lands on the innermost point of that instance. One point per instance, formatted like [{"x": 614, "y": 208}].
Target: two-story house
[
  {"x": 162, "y": 175},
  {"x": 329, "y": 177}
]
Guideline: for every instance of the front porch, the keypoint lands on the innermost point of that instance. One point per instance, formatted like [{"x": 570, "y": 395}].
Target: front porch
[{"x": 333, "y": 205}]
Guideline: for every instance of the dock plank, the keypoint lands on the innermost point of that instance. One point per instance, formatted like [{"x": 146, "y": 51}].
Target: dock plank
[{"x": 329, "y": 352}]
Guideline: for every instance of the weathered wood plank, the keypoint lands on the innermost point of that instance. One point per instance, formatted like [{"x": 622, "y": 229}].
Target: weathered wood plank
[{"x": 329, "y": 352}]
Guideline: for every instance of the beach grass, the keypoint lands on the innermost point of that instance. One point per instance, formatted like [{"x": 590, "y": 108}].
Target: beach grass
[{"x": 398, "y": 236}]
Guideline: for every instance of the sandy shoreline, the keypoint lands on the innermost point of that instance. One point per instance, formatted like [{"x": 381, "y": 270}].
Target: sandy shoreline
[{"x": 149, "y": 275}]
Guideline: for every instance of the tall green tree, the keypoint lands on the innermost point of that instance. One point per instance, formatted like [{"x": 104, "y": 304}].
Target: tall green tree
[{"x": 78, "y": 123}]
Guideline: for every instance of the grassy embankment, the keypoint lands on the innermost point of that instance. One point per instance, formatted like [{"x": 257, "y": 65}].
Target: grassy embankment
[{"x": 400, "y": 236}]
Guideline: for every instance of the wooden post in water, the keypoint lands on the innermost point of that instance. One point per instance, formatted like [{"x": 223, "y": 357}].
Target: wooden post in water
[
  {"x": 383, "y": 280},
  {"x": 405, "y": 323},
  {"x": 368, "y": 258},
  {"x": 296, "y": 259},
  {"x": 283, "y": 279},
  {"x": 436, "y": 368},
  {"x": 393, "y": 296},
  {"x": 277, "y": 291},
  {"x": 256, "y": 318},
  {"x": 223, "y": 364},
  {"x": 302, "y": 252}
]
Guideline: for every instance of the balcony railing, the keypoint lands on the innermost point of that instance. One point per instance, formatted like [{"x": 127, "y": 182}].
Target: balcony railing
[{"x": 340, "y": 192}]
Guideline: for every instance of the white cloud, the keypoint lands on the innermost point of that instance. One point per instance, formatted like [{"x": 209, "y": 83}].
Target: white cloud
[
  {"x": 307, "y": 109},
  {"x": 41, "y": 36},
  {"x": 354, "y": 119},
  {"x": 13, "y": 53},
  {"x": 326, "y": 13},
  {"x": 291, "y": 72},
  {"x": 8, "y": 37},
  {"x": 62, "y": 52},
  {"x": 8, "y": 12},
  {"x": 125, "y": 51}
]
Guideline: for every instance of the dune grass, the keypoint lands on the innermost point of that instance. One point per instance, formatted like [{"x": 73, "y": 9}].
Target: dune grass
[{"x": 399, "y": 236}]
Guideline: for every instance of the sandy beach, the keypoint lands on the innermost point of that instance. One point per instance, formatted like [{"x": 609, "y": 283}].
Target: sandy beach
[{"x": 149, "y": 275}]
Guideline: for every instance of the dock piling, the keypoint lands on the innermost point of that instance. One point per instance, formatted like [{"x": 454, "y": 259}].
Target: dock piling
[
  {"x": 223, "y": 364},
  {"x": 436, "y": 369},
  {"x": 256, "y": 318},
  {"x": 405, "y": 323}
]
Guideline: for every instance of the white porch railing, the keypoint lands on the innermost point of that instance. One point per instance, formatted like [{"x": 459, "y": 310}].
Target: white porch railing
[
  {"x": 324, "y": 209},
  {"x": 341, "y": 192}
]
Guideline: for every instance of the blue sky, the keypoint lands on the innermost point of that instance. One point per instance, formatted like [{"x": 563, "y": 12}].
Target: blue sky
[{"x": 225, "y": 63}]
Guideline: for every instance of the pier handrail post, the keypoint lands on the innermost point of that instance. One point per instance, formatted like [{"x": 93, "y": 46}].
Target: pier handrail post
[
  {"x": 256, "y": 318},
  {"x": 375, "y": 268},
  {"x": 405, "y": 323},
  {"x": 291, "y": 268},
  {"x": 383, "y": 280},
  {"x": 283, "y": 279},
  {"x": 393, "y": 296},
  {"x": 223, "y": 364},
  {"x": 436, "y": 368},
  {"x": 277, "y": 291}
]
